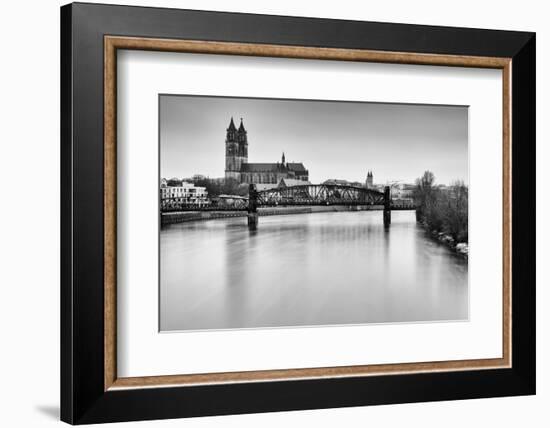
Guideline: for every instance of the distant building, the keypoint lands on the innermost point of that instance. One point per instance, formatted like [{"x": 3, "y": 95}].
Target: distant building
[
  {"x": 185, "y": 193},
  {"x": 337, "y": 181},
  {"x": 370, "y": 180},
  {"x": 198, "y": 177},
  {"x": 229, "y": 200},
  {"x": 171, "y": 182},
  {"x": 340, "y": 182},
  {"x": 285, "y": 182},
  {"x": 238, "y": 168},
  {"x": 289, "y": 182},
  {"x": 403, "y": 191},
  {"x": 266, "y": 186}
]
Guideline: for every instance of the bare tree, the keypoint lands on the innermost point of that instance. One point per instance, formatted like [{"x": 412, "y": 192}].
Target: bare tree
[
  {"x": 424, "y": 192},
  {"x": 456, "y": 214},
  {"x": 445, "y": 210}
]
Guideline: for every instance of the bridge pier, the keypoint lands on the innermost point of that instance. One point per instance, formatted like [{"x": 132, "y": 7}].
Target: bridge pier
[
  {"x": 252, "y": 217},
  {"x": 387, "y": 207},
  {"x": 351, "y": 197}
]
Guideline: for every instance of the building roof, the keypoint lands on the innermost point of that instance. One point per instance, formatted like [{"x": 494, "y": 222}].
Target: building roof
[
  {"x": 289, "y": 182},
  {"x": 265, "y": 186},
  {"x": 272, "y": 167},
  {"x": 337, "y": 181},
  {"x": 296, "y": 167}
]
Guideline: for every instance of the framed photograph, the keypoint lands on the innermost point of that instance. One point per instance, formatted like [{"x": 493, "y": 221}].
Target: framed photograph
[{"x": 265, "y": 213}]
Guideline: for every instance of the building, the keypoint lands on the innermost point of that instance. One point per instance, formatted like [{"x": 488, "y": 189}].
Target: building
[
  {"x": 370, "y": 181},
  {"x": 342, "y": 182},
  {"x": 198, "y": 177},
  {"x": 403, "y": 191},
  {"x": 183, "y": 194},
  {"x": 290, "y": 182},
  {"x": 266, "y": 186},
  {"x": 229, "y": 200},
  {"x": 337, "y": 181},
  {"x": 238, "y": 168}
]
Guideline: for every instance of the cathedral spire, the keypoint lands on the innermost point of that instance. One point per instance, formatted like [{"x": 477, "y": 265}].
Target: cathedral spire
[
  {"x": 232, "y": 125},
  {"x": 241, "y": 127},
  {"x": 283, "y": 159}
]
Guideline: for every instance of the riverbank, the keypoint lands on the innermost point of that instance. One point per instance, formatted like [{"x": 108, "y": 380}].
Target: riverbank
[
  {"x": 182, "y": 217},
  {"x": 460, "y": 248}
]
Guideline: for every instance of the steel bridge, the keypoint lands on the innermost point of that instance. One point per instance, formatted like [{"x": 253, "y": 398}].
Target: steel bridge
[
  {"x": 301, "y": 195},
  {"x": 317, "y": 194}
]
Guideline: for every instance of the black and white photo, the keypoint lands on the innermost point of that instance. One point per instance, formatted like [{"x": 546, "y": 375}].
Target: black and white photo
[{"x": 287, "y": 213}]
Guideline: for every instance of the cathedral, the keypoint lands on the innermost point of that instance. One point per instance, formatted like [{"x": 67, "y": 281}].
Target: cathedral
[
  {"x": 237, "y": 166},
  {"x": 369, "y": 183}
]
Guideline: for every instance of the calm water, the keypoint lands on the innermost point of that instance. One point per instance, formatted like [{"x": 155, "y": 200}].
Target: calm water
[{"x": 307, "y": 269}]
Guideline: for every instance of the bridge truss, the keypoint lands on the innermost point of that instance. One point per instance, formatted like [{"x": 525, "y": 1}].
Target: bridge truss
[{"x": 318, "y": 194}]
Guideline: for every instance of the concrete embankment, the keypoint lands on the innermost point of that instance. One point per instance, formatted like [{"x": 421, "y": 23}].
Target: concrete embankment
[{"x": 181, "y": 217}]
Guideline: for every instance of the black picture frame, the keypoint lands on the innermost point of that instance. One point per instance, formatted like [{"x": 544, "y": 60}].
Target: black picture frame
[{"x": 83, "y": 397}]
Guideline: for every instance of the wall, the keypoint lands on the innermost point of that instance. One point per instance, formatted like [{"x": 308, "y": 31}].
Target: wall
[{"x": 29, "y": 218}]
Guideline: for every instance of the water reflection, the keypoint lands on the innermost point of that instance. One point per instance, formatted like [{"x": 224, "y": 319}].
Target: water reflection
[{"x": 312, "y": 269}]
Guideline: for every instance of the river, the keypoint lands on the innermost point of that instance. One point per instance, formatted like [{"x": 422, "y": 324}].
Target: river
[{"x": 307, "y": 270}]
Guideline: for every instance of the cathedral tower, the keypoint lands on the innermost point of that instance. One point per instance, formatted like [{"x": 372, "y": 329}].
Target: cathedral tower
[
  {"x": 242, "y": 139},
  {"x": 236, "y": 150},
  {"x": 369, "y": 180}
]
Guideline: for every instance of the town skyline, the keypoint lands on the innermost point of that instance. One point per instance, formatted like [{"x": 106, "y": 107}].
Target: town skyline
[{"x": 322, "y": 135}]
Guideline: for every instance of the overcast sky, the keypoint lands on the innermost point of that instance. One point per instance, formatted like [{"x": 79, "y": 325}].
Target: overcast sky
[{"x": 398, "y": 142}]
